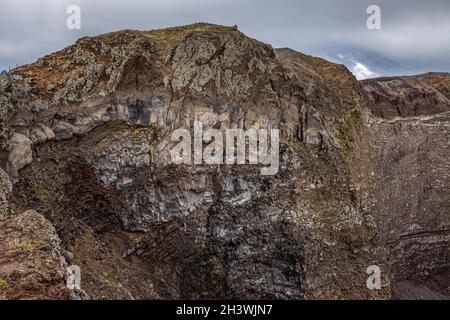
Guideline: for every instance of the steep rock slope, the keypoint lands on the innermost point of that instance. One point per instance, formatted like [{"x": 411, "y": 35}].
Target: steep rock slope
[
  {"x": 31, "y": 265},
  {"x": 86, "y": 141},
  {"x": 409, "y": 96},
  {"x": 411, "y": 132}
]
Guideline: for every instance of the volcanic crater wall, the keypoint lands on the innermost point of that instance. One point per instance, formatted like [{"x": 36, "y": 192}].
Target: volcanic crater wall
[
  {"x": 410, "y": 129},
  {"x": 87, "y": 139}
]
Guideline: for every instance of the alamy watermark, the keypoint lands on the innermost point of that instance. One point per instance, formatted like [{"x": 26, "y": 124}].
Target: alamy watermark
[
  {"x": 231, "y": 150},
  {"x": 73, "y": 21},
  {"x": 73, "y": 277},
  {"x": 374, "y": 19},
  {"x": 374, "y": 280}
]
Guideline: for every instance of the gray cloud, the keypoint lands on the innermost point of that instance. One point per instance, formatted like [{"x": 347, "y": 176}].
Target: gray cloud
[{"x": 415, "y": 34}]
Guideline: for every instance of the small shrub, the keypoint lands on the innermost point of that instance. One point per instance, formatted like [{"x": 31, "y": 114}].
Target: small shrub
[{"x": 42, "y": 193}]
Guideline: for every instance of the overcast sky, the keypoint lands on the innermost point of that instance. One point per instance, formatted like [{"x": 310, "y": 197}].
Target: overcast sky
[{"x": 414, "y": 36}]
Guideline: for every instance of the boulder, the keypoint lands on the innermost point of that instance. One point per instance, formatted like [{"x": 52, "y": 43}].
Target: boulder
[{"x": 21, "y": 154}]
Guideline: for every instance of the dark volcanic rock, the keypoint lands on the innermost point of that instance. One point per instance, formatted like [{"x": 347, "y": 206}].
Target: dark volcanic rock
[
  {"x": 97, "y": 118},
  {"x": 426, "y": 94},
  {"x": 31, "y": 266},
  {"x": 412, "y": 170}
]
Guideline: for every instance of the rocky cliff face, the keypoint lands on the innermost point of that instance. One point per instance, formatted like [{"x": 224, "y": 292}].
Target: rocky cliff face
[
  {"x": 86, "y": 140},
  {"x": 31, "y": 264},
  {"x": 412, "y": 168}
]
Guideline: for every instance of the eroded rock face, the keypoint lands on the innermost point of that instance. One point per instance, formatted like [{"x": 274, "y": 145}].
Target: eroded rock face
[
  {"x": 98, "y": 118},
  {"x": 412, "y": 172},
  {"x": 422, "y": 95},
  {"x": 31, "y": 266},
  {"x": 5, "y": 193}
]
